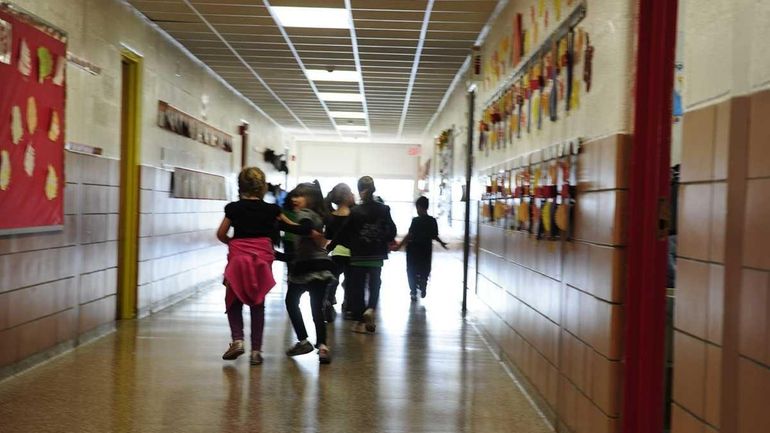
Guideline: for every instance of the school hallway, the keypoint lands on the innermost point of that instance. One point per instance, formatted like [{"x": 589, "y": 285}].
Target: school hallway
[{"x": 425, "y": 370}]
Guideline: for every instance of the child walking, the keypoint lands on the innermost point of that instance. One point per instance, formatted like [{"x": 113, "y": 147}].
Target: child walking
[
  {"x": 342, "y": 197},
  {"x": 311, "y": 269},
  {"x": 248, "y": 275},
  {"x": 419, "y": 248},
  {"x": 368, "y": 233}
]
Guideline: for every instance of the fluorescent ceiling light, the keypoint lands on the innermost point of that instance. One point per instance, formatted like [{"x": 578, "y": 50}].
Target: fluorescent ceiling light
[
  {"x": 321, "y": 75},
  {"x": 341, "y": 97},
  {"x": 318, "y": 18},
  {"x": 352, "y": 128},
  {"x": 348, "y": 114}
]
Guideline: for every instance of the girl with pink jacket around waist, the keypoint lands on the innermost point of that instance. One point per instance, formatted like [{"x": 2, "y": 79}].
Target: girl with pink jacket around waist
[{"x": 248, "y": 275}]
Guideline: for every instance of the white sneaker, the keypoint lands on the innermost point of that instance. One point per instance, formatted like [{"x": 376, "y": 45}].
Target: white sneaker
[
  {"x": 234, "y": 351},
  {"x": 369, "y": 320}
]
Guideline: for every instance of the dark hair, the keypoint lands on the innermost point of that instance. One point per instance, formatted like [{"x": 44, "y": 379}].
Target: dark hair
[
  {"x": 366, "y": 188},
  {"x": 251, "y": 181},
  {"x": 422, "y": 202},
  {"x": 338, "y": 195},
  {"x": 315, "y": 200}
]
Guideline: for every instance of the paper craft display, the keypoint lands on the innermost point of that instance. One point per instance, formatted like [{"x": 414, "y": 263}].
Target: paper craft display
[
  {"x": 535, "y": 193},
  {"x": 32, "y": 124},
  {"x": 5, "y": 170},
  {"x": 29, "y": 160},
  {"x": 6, "y": 42},
  {"x": 544, "y": 81},
  {"x": 25, "y": 59}
]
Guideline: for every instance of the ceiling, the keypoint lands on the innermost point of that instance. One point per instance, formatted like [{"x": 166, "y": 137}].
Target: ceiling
[{"x": 240, "y": 41}]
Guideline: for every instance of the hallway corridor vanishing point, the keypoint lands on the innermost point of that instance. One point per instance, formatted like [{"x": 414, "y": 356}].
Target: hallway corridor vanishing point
[{"x": 426, "y": 370}]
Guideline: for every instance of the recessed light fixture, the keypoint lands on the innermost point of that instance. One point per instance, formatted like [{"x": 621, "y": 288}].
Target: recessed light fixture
[
  {"x": 348, "y": 114},
  {"x": 321, "y": 75},
  {"x": 341, "y": 97},
  {"x": 352, "y": 128},
  {"x": 317, "y": 18}
]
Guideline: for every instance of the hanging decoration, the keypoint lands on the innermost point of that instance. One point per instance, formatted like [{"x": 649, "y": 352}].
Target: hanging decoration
[
  {"x": 31, "y": 123},
  {"x": 543, "y": 84},
  {"x": 535, "y": 193}
]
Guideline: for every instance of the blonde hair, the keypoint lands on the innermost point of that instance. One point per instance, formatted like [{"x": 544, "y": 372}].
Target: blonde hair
[{"x": 251, "y": 182}]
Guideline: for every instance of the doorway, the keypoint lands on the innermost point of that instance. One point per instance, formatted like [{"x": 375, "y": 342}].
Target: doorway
[{"x": 128, "y": 228}]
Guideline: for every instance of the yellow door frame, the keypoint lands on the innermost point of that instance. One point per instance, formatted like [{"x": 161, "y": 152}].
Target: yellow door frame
[{"x": 128, "y": 236}]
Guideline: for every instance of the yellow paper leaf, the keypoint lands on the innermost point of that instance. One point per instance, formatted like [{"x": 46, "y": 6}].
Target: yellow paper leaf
[
  {"x": 55, "y": 129},
  {"x": 5, "y": 170},
  {"x": 51, "y": 184},
  {"x": 29, "y": 160},
  {"x": 17, "y": 127},
  {"x": 31, "y": 115}
]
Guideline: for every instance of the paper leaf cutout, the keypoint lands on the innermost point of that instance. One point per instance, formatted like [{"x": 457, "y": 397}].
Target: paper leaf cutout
[
  {"x": 17, "y": 127},
  {"x": 29, "y": 160},
  {"x": 61, "y": 64},
  {"x": 31, "y": 115},
  {"x": 45, "y": 63},
  {"x": 25, "y": 59},
  {"x": 55, "y": 130},
  {"x": 5, "y": 170},
  {"x": 51, "y": 184}
]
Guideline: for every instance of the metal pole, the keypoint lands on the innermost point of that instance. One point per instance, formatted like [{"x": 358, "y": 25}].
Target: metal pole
[{"x": 468, "y": 173}]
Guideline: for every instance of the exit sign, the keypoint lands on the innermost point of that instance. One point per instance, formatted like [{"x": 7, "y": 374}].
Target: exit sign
[{"x": 414, "y": 150}]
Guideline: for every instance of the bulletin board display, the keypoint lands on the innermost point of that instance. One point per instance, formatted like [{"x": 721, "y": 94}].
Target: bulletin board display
[{"x": 32, "y": 108}]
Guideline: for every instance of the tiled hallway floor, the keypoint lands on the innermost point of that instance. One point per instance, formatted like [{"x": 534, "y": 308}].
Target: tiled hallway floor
[{"x": 426, "y": 370}]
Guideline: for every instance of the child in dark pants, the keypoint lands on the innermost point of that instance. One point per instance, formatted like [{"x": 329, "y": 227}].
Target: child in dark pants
[{"x": 419, "y": 248}]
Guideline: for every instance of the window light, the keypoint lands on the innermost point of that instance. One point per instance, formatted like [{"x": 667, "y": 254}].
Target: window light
[
  {"x": 318, "y": 18},
  {"x": 348, "y": 114},
  {"x": 341, "y": 97}
]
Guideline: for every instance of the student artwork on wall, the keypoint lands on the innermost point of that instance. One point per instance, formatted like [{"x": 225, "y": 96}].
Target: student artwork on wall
[
  {"x": 177, "y": 121},
  {"x": 543, "y": 83},
  {"x": 31, "y": 123}
]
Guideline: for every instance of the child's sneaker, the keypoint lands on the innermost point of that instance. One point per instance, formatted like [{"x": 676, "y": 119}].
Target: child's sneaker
[
  {"x": 256, "y": 357},
  {"x": 369, "y": 320},
  {"x": 301, "y": 348},
  {"x": 234, "y": 351},
  {"x": 324, "y": 355}
]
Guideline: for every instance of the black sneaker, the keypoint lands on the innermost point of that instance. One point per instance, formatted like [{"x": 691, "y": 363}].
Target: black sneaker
[
  {"x": 324, "y": 355},
  {"x": 300, "y": 348}
]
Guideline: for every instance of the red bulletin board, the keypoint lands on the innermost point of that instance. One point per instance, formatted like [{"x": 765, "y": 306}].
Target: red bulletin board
[{"x": 32, "y": 94}]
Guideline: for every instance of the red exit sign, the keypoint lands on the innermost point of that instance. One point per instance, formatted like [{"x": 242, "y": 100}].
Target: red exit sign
[{"x": 414, "y": 150}]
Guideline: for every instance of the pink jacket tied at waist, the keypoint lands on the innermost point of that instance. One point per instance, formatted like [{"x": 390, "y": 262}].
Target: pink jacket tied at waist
[{"x": 249, "y": 272}]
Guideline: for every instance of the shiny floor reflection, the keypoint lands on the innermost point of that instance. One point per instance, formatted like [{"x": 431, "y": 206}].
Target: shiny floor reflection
[{"x": 426, "y": 370}]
